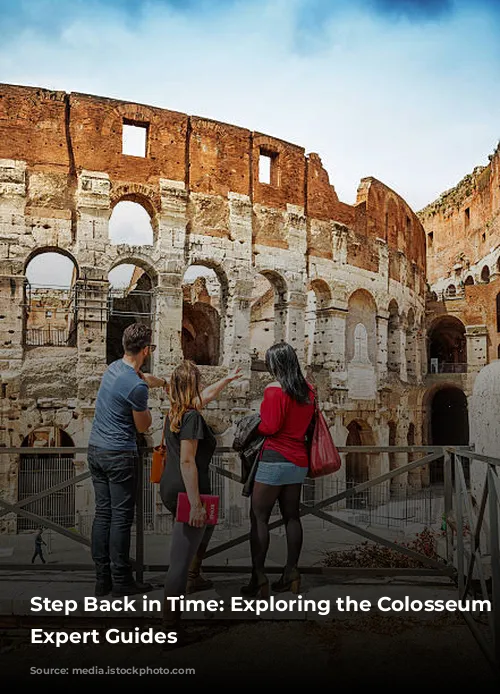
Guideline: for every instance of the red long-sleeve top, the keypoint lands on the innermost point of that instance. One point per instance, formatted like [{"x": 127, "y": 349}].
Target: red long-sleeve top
[{"x": 285, "y": 422}]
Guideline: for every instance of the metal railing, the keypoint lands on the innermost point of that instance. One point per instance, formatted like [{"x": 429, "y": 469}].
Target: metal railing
[
  {"x": 49, "y": 337},
  {"x": 446, "y": 367},
  {"x": 472, "y": 538}
]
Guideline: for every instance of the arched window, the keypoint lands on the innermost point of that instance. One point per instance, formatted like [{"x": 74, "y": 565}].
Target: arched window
[
  {"x": 361, "y": 309},
  {"x": 485, "y": 274},
  {"x": 451, "y": 291},
  {"x": 203, "y": 312},
  {"x": 447, "y": 345},
  {"x": 358, "y": 464},
  {"x": 50, "y": 306},
  {"x": 469, "y": 281},
  {"x": 130, "y": 301},
  {"x": 268, "y": 315},
  {"x": 130, "y": 224}
]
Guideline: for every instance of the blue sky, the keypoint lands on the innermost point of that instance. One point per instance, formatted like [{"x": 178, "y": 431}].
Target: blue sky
[{"x": 406, "y": 91}]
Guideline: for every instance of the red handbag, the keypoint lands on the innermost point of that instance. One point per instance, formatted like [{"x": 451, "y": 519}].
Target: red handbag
[{"x": 324, "y": 457}]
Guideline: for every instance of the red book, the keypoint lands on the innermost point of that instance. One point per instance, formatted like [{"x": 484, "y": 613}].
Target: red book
[{"x": 210, "y": 502}]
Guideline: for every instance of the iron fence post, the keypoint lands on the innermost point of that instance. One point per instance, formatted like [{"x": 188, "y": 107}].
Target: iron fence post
[
  {"x": 493, "y": 500},
  {"x": 448, "y": 502},
  {"x": 460, "y": 527},
  {"x": 139, "y": 523}
]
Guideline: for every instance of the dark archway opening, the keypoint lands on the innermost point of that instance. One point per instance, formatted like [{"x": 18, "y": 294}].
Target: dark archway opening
[
  {"x": 357, "y": 467},
  {"x": 449, "y": 426},
  {"x": 201, "y": 334},
  {"x": 39, "y": 471},
  {"x": 448, "y": 346},
  {"x": 203, "y": 315},
  {"x": 130, "y": 301}
]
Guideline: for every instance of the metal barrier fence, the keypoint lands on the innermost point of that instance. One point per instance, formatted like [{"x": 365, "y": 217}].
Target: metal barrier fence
[
  {"x": 472, "y": 522},
  {"x": 49, "y": 337}
]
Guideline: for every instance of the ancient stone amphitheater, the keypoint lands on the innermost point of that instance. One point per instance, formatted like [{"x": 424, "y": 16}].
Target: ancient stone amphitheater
[{"x": 279, "y": 256}]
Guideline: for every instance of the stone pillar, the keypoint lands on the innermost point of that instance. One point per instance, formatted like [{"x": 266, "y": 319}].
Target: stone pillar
[
  {"x": 168, "y": 323},
  {"x": 484, "y": 415},
  {"x": 403, "y": 372},
  {"x": 172, "y": 223},
  {"x": 93, "y": 210},
  {"x": 477, "y": 346},
  {"x": 237, "y": 332},
  {"x": 337, "y": 318},
  {"x": 295, "y": 330},
  {"x": 172, "y": 220},
  {"x": 418, "y": 366},
  {"x": 382, "y": 334},
  {"x": 12, "y": 232}
]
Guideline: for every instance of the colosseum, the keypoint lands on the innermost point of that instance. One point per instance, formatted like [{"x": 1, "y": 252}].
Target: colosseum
[{"x": 244, "y": 243}]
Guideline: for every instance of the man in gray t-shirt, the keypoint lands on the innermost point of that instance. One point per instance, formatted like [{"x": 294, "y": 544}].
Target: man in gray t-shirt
[{"x": 121, "y": 411}]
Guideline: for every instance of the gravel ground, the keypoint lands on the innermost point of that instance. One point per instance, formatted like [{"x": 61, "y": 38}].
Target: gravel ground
[{"x": 358, "y": 651}]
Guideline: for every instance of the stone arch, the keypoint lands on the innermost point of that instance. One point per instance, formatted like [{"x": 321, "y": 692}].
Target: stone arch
[
  {"x": 358, "y": 464},
  {"x": 49, "y": 313},
  {"x": 447, "y": 423},
  {"x": 469, "y": 281},
  {"x": 447, "y": 344},
  {"x": 485, "y": 274},
  {"x": 206, "y": 296},
  {"x": 361, "y": 308},
  {"x": 451, "y": 291},
  {"x": 268, "y": 313},
  {"x": 130, "y": 300},
  {"x": 318, "y": 323},
  {"x": 204, "y": 312},
  {"x": 39, "y": 471},
  {"x": 52, "y": 249},
  {"x": 144, "y": 195},
  {"x": 129, "y": 213}
]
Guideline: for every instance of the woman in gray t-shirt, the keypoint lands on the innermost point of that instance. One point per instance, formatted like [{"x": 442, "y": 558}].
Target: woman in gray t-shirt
[{"x": 190, "y": 446}]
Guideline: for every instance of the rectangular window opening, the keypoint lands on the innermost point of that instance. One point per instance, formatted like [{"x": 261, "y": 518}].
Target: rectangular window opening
[
  {"x": 268, "y": 168},
  {"x": 430, "y": 237},
  {"x": 134, "y": 138},
  {"x": 264, "y": 168},
  {"x": 467, "y": 216}
]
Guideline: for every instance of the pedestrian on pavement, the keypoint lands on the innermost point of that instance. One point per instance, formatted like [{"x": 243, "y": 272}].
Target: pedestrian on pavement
[
  {"x": 39, "y": 541},
  {"x": 121, "y": 412}
]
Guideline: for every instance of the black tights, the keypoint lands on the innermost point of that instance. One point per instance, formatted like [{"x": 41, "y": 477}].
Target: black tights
[{"x": 264, "y": 496}]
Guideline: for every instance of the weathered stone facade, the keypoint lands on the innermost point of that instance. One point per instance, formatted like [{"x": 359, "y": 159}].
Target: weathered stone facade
[
  {"x": 62, "y": 171},
  {"x": 463, "y": 259}
]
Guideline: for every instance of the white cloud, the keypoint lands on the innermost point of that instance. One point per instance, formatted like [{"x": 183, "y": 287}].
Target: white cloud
[{"x": 415, "y": 105}]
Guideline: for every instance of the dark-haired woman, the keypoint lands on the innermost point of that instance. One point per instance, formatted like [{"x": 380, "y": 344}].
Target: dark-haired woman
[
  {"x": 190, "y": 446},
  {"x": 286, "y": 414}
]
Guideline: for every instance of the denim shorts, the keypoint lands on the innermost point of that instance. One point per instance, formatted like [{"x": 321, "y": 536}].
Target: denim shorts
[{"x": 277, "y": 474}]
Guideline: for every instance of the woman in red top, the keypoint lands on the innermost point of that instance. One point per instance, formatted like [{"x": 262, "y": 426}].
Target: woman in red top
[{"x": 286, "y": 414}]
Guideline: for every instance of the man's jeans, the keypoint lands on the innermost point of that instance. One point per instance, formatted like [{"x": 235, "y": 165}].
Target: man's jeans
[{"x": 114, "y": 475}]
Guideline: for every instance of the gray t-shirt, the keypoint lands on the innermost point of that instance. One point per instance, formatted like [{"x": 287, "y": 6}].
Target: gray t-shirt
[{"x": 121, "y": 392}]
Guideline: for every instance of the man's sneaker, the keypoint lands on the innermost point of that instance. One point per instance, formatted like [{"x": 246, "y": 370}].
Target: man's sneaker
[
  {"x": 131, "y": 589},
  {"x": 102, "y": 588}
]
